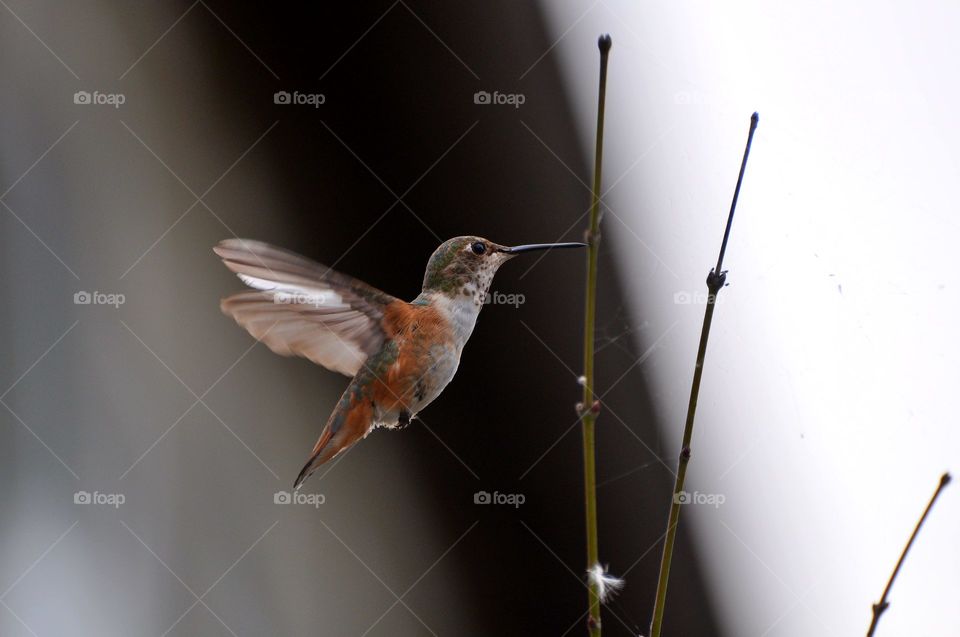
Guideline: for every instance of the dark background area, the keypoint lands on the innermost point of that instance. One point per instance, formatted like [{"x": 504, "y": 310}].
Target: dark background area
[
  {"x": 399, "y": 120},
  {"x": 399, "y": 99}
]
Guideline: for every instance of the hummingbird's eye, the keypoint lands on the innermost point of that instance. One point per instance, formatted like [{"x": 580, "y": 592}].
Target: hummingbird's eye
[{"x": 478, "y": 247}]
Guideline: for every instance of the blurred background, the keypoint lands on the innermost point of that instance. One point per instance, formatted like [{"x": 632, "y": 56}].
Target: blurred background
[{"x": 148, "y": 443}]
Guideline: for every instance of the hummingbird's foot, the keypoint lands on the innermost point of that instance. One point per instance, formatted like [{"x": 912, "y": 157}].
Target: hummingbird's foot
[{"x": 403, "y": 420}]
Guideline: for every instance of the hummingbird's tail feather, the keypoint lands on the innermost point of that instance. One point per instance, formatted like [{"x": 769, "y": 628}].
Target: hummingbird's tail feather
[{"x": 349, "y": 423}]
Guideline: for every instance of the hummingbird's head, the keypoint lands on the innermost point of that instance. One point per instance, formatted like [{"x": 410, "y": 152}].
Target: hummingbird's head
[{"x": 464, "y": 266}]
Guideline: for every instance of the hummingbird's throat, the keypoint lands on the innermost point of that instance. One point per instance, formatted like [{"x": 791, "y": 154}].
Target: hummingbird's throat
[{"x": 477, "y": 286}]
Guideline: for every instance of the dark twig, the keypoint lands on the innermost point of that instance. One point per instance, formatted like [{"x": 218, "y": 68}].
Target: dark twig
[
  {"x": 883, "y": 604},
  {"x": 716, "y": 279}
]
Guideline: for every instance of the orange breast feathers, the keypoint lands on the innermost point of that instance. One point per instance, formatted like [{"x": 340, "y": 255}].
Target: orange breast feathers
[{"x": 415, "y": 329}]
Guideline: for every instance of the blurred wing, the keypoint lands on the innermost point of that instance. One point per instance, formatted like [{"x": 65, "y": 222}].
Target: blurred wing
[{"x": 303, "y": 308}]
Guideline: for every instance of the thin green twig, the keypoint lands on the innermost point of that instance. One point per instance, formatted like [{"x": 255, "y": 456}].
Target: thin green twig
[
  {"x": 589, "y": 408},
  {"x": 715, "y": 281}
]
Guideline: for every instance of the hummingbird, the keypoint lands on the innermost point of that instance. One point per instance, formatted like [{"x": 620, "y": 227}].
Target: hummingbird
[{"x": 400, "y": 355}]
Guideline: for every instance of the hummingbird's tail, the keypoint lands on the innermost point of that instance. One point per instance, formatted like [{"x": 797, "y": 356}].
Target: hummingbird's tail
[{"x": 349, "y": 423}]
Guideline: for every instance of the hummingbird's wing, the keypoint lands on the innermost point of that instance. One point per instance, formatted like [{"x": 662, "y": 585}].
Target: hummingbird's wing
[{"x": 303, "y": 308}]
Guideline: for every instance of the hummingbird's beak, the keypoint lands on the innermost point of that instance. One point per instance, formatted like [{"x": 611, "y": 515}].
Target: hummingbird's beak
[{"x": 541, "y": 246}]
